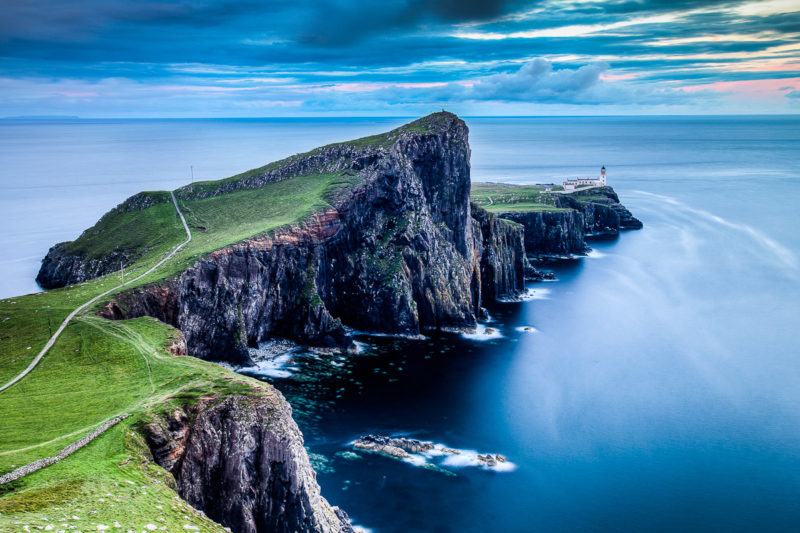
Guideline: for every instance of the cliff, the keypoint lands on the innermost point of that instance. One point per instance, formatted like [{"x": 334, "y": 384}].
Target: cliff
[
  {"x": 500, "y": 250},
  {"x": 556, "y": 224},
  {"x": 241, "y": 460},
  {"x": 602, "y": 211},
  {"x": 391, "y": 245},
  {"x": 142, "y": 224},
  {"x": 551, "y": 232}
]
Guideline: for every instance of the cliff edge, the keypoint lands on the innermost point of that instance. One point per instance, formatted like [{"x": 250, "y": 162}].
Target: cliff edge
[{"x": 389, "y": 244}]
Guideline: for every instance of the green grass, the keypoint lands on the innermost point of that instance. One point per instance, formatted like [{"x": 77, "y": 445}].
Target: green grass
[
  {"x": 96, "y": 370},
  {"x": 523, "y": 207},
  {"x": 234, "y": 217},
  {"x": 505, "y": 198},
  {"x": 151, "y": 230}
]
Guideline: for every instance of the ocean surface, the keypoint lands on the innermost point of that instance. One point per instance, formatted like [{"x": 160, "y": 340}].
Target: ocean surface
[{"x": 654, "y": 387}]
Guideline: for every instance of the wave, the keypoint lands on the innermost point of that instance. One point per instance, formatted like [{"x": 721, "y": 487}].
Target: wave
[
  {"x": 483, "y": 333},
  {"x": 784, "y": 255}
]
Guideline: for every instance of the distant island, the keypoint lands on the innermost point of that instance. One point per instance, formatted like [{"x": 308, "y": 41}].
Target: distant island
[
  {"x": 382, "y": 234},
  {"x": 43, "y": 117}
]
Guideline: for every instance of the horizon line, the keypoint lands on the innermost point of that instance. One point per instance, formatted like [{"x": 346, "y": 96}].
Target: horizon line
[{"x": 290, "y": 117}]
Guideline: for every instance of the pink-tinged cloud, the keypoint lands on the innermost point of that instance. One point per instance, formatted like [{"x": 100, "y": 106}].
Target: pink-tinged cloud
[
  {"x": 367, "y": 87},
  {"x": 75, "y": 94},
  {"x": 605, "y": 76},
  {"x": 199, "y": 88},
  {"x": 755, "y": 88}
]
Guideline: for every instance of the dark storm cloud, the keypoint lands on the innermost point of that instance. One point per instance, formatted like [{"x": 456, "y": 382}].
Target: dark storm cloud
[{"x": 346, "y": 22}]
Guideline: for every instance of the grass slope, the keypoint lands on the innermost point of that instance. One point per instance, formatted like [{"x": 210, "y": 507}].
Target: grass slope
[
  {"x": 149, "y": 232},
  {"x": 98, "y": 369},
  {"x": 424, "y": 125},
  {"x": 215, "y": 222},
  {"x": 504, "y": 198}
]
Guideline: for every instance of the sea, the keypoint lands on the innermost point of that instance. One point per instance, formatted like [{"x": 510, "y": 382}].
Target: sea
[{"x": 654, "y": 387}]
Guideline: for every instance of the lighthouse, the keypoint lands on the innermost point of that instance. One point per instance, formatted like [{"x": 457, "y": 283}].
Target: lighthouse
[{"x": 603, "y": 174}]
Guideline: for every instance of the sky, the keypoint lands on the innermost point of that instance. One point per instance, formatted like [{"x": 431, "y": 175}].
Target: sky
[{"x": 272, "y": 58}]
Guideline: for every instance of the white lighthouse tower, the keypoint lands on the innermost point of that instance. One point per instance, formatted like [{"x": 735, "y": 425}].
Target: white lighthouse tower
[{"x": 603, "y": 174}]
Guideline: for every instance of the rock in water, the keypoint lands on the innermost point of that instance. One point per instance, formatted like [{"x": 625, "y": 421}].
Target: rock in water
[{"x": 399, "y": 447}]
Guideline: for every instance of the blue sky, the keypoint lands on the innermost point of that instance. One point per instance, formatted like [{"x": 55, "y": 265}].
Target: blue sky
[{"x": 241, "y": 58}]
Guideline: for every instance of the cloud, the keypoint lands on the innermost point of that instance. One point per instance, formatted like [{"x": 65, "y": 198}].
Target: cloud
[
  {"x": 337, "y": 22},
  {"x": 583, "y": 53},
  {"x": 538, "y": 81}
]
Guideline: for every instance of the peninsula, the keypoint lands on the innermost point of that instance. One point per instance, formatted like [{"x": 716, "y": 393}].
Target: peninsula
[{"x": 383, "y": 234}]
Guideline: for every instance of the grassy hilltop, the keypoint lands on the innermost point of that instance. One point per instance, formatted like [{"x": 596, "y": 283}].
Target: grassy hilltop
[
  {"x": 99, "y": 369},
  {"x": 508, "y": 198}
]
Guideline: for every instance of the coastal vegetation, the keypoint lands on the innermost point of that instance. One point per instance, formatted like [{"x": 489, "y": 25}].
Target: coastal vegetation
[
  {"x": 406, "y": 253},
  {"x": 99, "y": 369},
  {"x": 504, "y": 197}
]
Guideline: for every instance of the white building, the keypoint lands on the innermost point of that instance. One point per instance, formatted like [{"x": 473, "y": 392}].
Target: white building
[{"x": 571, "y": 185}]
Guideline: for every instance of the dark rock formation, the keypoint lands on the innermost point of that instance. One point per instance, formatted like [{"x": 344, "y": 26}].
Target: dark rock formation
[
  {"x": 602, "y": 211},
  {"x": 60, "y": 267},
  {"x": 551, "y": 232},
  {"x": 561, "y": 233},
  {"x": 401, "y": 252},
  {"x": 241, "y": 461},
  {"x": 500, "y": 247}
]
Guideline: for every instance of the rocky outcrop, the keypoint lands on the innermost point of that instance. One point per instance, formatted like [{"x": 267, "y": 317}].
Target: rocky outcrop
[
  {"x": 403, "y": 447},
  {"x": 399, "y": 447},
  {"x": 64, "y": 265},
  {"x": 400, "y": 252},
  {"x": 551, "y": 233},
  {"x": 595, "y": 211},
  {"x": 241, "y": 461},
  {"x": 602, "y": 211},
  {"x": 60, "y": 267}
]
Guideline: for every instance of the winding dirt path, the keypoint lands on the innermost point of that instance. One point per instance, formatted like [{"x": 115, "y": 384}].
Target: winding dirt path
[{"x": 80, "y": 308}]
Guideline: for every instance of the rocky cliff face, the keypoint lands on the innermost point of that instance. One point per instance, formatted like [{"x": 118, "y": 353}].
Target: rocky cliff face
[
  {"x": 602, "y": 211},
  {"x": 60, "y": 267},
  {"x": 500, "y": 250},
  {"x": 592, "y": 212},
  {"x": 551, "y": 232},
  {"x": 399, "y": 253},
  {"x": 241, "y": 460}
]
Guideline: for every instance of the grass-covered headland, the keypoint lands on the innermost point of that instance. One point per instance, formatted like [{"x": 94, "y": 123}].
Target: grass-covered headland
[{"x": 98, "y": 369}]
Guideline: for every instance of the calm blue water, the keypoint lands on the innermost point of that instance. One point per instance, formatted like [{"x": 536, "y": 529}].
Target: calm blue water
[{"x": 661, "y": 390}]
